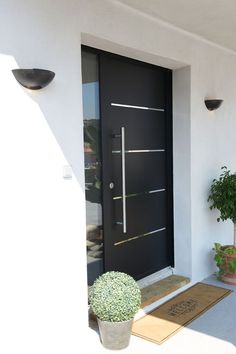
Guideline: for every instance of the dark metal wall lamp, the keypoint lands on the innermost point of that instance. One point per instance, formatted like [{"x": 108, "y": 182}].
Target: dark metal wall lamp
[
  {"x": 213, "y": 104},
  {"x": 33, "y": 79}
]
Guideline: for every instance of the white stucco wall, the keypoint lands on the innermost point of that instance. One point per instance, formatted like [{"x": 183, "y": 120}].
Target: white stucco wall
[
  {"x": 182, "y": 170},
  {"x": 42, "y": 229}
]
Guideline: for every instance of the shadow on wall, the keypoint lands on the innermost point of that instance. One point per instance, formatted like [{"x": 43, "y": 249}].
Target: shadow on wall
[
  {"x": 33, "y": 37},
  {"x": 42, "y": 248}
]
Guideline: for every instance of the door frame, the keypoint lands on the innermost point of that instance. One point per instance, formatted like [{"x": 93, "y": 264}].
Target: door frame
[{"x": 169, "y": 148}]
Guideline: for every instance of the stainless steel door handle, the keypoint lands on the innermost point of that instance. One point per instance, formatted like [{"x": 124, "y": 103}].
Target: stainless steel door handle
[{"x": 123, "y": 177}]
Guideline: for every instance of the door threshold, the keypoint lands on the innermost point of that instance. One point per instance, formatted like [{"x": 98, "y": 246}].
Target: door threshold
[
  {"x": 161, "y": 288},
  {"x": 153, "y": 278}
]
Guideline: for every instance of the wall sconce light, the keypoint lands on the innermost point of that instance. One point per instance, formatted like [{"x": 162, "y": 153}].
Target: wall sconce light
[
  {"x": 33, "y": 79},
  {"x": 213, "y": 104}
]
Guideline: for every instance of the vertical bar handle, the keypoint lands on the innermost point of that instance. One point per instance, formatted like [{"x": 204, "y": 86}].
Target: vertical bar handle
[{"x": 123, "y": 177}]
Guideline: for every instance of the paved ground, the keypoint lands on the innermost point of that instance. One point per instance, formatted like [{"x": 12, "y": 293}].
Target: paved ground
[{"x": 212, "y": 333}]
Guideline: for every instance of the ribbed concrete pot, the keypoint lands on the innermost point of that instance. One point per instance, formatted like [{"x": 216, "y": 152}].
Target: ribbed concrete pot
[{"x": 115, "y": 335}]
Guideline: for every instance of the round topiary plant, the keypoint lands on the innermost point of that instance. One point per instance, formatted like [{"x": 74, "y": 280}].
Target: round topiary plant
[{"x": 115, "y": 297}]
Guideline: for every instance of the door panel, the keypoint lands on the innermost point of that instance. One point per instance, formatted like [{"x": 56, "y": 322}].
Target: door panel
[
  {"x": 148, "y": 136},
  {"x": 137, "y": 97},
  {"x": 138, "y": 176},
  {"x": 145, "y": 214},
  {"x": 136, "y": 136},
  {"x": 140, "y": 257},
  {"x": 134, "y": 83}
]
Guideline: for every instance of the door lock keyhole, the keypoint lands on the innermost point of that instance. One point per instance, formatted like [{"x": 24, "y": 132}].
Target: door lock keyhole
[{"x": 111, "y": 185}]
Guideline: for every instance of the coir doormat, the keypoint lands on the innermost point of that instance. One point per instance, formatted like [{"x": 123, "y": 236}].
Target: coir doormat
[{"x": 164, "y": 321}]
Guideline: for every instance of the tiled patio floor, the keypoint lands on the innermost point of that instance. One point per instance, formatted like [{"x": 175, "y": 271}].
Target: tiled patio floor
[{"x": 212, "y": 333}]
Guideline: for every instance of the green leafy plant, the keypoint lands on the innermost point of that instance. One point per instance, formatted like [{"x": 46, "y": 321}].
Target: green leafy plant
[
  {"x": 223, "y": 197},
  {"x": 115, "y": 297},
  {"x": 224, "y": 265}
]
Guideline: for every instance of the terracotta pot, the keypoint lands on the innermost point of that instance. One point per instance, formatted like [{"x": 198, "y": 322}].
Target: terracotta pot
[{"x": 228, "y": 277}]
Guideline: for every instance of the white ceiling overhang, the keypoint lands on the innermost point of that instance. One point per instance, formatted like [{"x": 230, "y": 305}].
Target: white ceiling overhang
[{"x": 213, "y": 20}]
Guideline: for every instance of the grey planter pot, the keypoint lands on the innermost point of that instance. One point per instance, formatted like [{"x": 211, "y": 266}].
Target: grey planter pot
[{"x": 115, "y": 335}]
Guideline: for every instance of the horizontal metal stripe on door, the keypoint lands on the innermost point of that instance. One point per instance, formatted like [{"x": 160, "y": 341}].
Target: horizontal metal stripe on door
[
  {"x": 138, "y": 151},
  {"x": 139, "y": 236},
  {"x": 138, "y": 194},
  {"x": 137, "y": 107}
]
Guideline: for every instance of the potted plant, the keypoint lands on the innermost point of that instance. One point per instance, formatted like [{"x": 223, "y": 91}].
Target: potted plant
[
  {"x": 115, "y": 298},
  {"x": 223, "y": 197}
]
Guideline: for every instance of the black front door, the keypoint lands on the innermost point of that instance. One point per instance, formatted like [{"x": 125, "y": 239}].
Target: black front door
[{"x": 136, "y": 128}]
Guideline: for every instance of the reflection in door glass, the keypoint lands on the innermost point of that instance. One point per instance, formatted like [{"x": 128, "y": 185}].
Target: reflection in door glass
[{"x": 92, "y": 157}]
